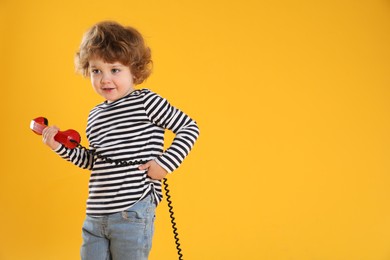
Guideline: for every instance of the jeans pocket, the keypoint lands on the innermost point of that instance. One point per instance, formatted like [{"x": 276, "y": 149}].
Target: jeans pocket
[
  {"x": 133, "y": 216},
  {"x": 141, "y": 212}
]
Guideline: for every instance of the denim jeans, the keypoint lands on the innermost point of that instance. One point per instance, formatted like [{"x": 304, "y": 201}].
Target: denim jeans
[{"x": 121, "y": 236}]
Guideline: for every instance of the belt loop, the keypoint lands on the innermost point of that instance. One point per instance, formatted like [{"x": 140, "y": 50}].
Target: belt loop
[{"x": 153, "y": 198}]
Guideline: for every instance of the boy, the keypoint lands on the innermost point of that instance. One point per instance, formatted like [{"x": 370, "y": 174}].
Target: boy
[{"x": 126, "y": 138}]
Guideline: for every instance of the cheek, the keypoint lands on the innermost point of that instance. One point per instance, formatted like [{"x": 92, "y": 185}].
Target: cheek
[{"x": 94, "y": 81}]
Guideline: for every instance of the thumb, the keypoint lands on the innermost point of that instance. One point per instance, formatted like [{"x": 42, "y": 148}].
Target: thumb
[{"x": 144, "y": 166}]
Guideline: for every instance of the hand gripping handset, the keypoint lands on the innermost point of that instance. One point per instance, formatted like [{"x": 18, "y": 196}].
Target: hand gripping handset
[{"x": 69, "y": 138}]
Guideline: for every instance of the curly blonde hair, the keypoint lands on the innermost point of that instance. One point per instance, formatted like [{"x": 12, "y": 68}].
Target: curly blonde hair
[{"x": 113, "y": 42}]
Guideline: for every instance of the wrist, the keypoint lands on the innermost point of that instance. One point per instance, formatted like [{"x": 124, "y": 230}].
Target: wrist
[{"x": 54, "y": 146}]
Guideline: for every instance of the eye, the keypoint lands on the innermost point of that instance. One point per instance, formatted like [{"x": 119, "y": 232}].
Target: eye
[
  {"x": 95, "y": 71},
  {"x": 115, "y": 70}
]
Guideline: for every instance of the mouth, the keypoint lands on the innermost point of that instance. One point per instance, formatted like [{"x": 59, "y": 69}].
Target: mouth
[{"x": 108, "y": 89}]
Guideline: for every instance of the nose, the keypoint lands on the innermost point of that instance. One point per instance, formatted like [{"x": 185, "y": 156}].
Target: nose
[{"x": 105, "y": 78}]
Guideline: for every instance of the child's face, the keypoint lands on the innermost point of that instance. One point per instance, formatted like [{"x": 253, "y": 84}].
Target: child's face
[{"x": 110, "y": 80}]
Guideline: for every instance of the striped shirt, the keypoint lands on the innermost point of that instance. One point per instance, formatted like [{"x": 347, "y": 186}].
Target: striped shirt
[{"x": 130, "y": 129}]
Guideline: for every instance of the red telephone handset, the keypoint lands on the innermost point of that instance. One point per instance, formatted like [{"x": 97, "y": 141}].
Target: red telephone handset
[{"x": 69, "y": 138}]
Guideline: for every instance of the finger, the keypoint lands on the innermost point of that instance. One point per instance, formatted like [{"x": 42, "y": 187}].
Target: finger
[
  {"x": 50, "y": 129},
  {"x": 144, "y": 166},
  {"x": 49, "y": 133},
  {"x": 44, "y": 132}
]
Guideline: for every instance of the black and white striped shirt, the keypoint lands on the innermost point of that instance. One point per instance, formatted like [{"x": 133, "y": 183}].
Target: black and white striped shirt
[{"x": 130, "y": 129}]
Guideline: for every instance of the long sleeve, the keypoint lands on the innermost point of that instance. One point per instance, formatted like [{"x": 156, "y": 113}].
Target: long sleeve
[
  {"x": 82, "y": 158},
  {"x": 186, "y": 130}
]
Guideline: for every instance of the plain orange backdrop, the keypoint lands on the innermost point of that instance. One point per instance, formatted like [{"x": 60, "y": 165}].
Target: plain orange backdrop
[{"x": 292, "y": 99}]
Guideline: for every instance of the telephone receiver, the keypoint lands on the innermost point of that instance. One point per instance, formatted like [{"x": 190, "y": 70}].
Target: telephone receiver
[{"x": 69, "y": 138}]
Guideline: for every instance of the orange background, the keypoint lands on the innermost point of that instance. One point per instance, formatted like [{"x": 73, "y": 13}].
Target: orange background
[{"x": 292, "y": 98}]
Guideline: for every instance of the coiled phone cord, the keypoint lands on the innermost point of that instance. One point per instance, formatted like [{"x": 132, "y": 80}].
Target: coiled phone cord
[
  {"x": 167, "y": 195},
  {"x": 171, "y": 214}
]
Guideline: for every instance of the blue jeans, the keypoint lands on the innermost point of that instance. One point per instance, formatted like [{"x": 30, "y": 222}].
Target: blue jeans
[{"x": 121, "y": 236}]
